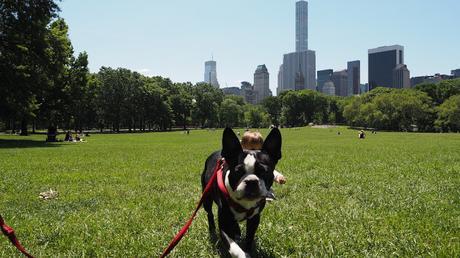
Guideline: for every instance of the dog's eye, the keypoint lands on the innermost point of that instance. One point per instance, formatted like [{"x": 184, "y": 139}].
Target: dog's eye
[
  {"x": 261, "y": 168},
  {"x": 239, "y": 170}
]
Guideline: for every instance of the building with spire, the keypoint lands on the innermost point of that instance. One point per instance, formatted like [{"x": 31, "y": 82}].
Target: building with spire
[
  {"x": 298, "y": 70},
  {"x": 210, "y": 73}
]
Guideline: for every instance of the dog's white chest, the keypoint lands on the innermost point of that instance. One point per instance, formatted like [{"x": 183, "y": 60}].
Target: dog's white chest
[{"x": 240, "y": 216}]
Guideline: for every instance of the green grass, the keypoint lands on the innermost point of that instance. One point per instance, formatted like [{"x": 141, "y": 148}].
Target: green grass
[{"x": 392, "y": 194}]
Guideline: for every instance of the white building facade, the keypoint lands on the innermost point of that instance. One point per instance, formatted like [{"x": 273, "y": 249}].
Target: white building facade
[{"x": 210, "y": 73}]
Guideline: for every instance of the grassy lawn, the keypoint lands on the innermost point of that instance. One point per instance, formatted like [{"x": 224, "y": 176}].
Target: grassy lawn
[{"x": 392, "y": 194}]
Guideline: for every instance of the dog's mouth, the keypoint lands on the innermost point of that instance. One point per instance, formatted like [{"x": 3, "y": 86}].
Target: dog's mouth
[{"x": 251, "y": 195}]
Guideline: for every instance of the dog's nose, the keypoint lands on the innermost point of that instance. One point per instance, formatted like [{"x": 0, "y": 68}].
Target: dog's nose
[{"x": 252, "y": 184}]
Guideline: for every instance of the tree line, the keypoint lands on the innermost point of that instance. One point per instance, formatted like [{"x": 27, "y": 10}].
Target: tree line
[
  {"x": 427, "y": 107},
  {"x": 45, "y": 84}
]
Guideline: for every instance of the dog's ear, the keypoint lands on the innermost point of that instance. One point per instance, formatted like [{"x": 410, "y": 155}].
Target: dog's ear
[
  {"x": 231, "y": 146},
  {"x": 272, "y": 144}
]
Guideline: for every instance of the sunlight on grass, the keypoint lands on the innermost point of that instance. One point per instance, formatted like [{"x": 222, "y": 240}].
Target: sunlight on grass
[{"x": 128, "y": 194}]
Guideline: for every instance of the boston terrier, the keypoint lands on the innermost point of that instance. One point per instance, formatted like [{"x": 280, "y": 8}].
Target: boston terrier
[{"x": 246, "y": 177}]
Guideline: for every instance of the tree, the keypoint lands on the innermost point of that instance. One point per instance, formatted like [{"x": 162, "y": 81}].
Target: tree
[
  {"x": 79, "y": 92},
  {"x": 391, "y": 110},
  {"x": 255, "y": 116},
  {"x": 23, "y": 57},
  {"x": 181, "y": 103},
  {"x": 273, "y": 107},
  {"x": 441, "y": 91},
  {"x": 57, "y": 98},
  {"x": 207, "y": 101},
  {"x": 230, "y": 113},
  {"x": 449, "y": 114},
  {"x": 291, "y": 111}
]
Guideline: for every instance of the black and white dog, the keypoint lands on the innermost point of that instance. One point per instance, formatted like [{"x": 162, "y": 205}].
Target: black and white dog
[{"x": 246, "y": 178}]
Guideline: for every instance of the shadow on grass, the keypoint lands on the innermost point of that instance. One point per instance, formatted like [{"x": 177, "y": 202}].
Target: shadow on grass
[
  {"x": 223, "y": 251},
  {"x": 15, "y": 143}
]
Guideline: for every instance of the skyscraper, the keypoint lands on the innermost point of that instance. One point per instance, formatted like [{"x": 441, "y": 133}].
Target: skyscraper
[
  {"x": 301, "y": 26},
  {"x": 298, "y": 70},
  {"x": 261, "y": 83},
  {"x": 210, "y": 73},
  {"x": 340, "y": 80},
  {"x": 323, "y": 76},
  {"x": 354, "y": 81},
  {"x": 382, "y": 61},
  {"x": 280, "y": 80},
  {"x": 455, "y": 73},
  {"x": 247, "y": 91},
  {"x": 401, "y": 77}
]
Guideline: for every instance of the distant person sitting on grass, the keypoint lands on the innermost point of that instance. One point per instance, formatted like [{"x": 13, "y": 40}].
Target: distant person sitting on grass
[
  {"x": 255, "y": 141},
  {"x": 51, "y": 134},
  {"x": 68, "y": 137},
  {"x": 361, "y": 134}
]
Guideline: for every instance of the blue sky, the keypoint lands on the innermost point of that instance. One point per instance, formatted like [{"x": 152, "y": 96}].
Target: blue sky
[{"x": 173, "y": 38}]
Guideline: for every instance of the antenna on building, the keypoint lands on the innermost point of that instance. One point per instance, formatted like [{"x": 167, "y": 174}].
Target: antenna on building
[{"x": 212, "y": 56}]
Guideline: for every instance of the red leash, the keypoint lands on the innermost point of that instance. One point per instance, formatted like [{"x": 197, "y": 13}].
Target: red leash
[
  {"x": 9, "y": 232},
  {"x": 181, "y": 233}
]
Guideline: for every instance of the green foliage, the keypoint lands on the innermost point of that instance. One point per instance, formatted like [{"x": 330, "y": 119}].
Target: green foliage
[
  {"x": 181, "y": 103},
  {"x": 441, "y": 91},
  {"x": 230, "y": 113},
  {"x": 273, "y": 107},
  {"x": 207, "y": 102},
  {"x": 391, "y": 109},
  {"x": 307, "y": 106},
  {"x": 26, "y": 55},
  {"x": 255, "y": 116},
  {"x": 449, "y": 114}
]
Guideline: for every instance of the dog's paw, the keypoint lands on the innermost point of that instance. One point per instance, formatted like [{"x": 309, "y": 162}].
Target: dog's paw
[{"x": 235, "y": 250}]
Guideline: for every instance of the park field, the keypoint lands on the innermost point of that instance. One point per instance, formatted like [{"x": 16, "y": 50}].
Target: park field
[{"x": 126, "y": 195}]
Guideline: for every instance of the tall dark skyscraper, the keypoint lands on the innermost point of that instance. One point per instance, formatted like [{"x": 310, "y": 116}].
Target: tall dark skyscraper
[
  {"x": 301, "y": 26},
  {"x": 455, "y": 73},
  {"x": 354, "y": 78},
  {"x": 323, "y": 76},
  {"x": 382, "y": 61},
  {"x": 340, "y": 80}
]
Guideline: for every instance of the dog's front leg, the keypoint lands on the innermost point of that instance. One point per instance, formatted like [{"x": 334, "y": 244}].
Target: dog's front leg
[
  {"x": 228, "y": 224},
  {"x": 231, "y": 234},
  {"x": 251, "y": 228},
  {"x": 233, "y": 248}
]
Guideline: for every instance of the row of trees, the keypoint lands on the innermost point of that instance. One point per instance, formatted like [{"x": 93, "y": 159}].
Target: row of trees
[{"x": 427, "y": 107}]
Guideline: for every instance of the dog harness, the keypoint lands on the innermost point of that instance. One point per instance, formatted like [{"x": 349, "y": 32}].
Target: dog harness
[{"x": 236, "y": 206}]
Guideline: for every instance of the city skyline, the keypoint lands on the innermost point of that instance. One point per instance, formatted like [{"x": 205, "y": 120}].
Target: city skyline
[{"x": 130, "y": 36}]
